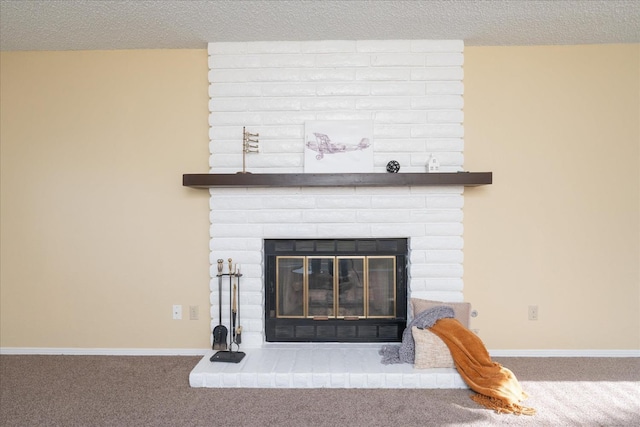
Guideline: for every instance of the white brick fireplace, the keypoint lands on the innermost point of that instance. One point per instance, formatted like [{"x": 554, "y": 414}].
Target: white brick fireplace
[{"x": 412, "y": 92}]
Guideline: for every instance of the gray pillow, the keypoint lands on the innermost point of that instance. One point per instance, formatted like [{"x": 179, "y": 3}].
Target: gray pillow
[{"x": 461, "y": 310}]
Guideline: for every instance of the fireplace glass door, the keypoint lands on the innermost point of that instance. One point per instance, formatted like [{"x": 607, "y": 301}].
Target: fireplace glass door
[
  {"x": 381, "y": 290},
  {"x": 335, "y": 290},
  {"x": 335, "y": 287}
]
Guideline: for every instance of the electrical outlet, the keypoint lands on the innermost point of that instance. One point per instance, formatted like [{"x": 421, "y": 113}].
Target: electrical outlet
[
  {"x": 533, "y": 312},
  {"x": 193, "y": 312},
  {"x": 177, "y": 312}
]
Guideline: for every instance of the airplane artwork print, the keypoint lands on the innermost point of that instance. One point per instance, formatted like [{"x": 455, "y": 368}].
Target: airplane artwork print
[{"x": 323, "y": 145}]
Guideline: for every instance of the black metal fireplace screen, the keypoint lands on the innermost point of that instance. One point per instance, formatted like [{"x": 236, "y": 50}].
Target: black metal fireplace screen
[{"x": 341, "y": 290}]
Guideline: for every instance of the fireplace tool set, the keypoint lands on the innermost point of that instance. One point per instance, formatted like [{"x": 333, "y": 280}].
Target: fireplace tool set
[
  {"x": 220, "y": 332},
  {"x": 249, "y": 145}
]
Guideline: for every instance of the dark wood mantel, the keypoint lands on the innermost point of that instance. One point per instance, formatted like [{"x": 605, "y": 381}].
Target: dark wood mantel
[{"x": 209, "y": 180}]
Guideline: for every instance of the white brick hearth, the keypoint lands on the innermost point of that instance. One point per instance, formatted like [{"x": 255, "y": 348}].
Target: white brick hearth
[
  {"x": 412, "y": 92},
  {"x": 327, "y": 365}
]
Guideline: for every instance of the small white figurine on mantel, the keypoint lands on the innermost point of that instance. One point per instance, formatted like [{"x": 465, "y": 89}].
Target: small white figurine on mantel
[{"x": 433, "y": 165}]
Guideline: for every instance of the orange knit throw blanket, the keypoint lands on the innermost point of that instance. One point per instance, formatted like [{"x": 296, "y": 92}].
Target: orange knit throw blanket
[{"x": 497, "y": 386}]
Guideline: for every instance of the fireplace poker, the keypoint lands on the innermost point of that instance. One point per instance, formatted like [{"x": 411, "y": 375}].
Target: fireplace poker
[{"x": 234, "y": 309}]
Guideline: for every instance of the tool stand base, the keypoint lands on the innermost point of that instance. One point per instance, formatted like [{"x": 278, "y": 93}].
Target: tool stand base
[{"x": 228, "y": 356}]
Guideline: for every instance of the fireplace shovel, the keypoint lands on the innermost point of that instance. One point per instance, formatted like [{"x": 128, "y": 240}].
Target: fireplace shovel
[{"x": 220, "y": 331}]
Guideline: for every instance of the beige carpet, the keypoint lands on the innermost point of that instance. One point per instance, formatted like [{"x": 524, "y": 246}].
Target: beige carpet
[{"x": 154, "y": 391}]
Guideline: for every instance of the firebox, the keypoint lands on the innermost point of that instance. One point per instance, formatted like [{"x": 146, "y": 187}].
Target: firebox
[{"x": 335, "y": 290}]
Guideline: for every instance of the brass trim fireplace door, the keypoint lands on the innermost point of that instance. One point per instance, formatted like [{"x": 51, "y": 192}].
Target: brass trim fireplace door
[{"x": 335, "y": 290}]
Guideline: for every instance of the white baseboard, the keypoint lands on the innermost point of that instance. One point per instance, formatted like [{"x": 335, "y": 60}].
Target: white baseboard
[
  {"x": 202, "y": 352},
  {"x": 105, "y": 351},
  {"x": 564, "y": 353}
]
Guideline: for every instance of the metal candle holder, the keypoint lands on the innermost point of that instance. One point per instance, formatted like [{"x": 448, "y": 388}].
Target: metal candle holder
[{"x": 249, "y": 145}]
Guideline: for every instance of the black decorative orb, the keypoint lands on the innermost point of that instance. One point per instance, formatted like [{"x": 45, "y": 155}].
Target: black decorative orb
[{"x": 393, "y": 166}]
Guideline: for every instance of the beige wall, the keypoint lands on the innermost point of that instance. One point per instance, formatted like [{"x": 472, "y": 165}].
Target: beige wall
[
  {"x": 99, "y": 238},
  {"x": 559, "y": 127}
]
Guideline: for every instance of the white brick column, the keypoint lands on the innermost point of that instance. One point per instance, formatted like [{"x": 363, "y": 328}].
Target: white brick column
[{"x": 410, "y": 90}]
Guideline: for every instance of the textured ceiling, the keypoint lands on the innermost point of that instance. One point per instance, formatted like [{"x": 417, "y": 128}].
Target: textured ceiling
[{"x": 84, "y": 24}]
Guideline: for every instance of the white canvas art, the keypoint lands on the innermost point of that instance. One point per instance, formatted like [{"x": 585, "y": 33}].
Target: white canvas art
[{"x": 338, "y": 147}]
